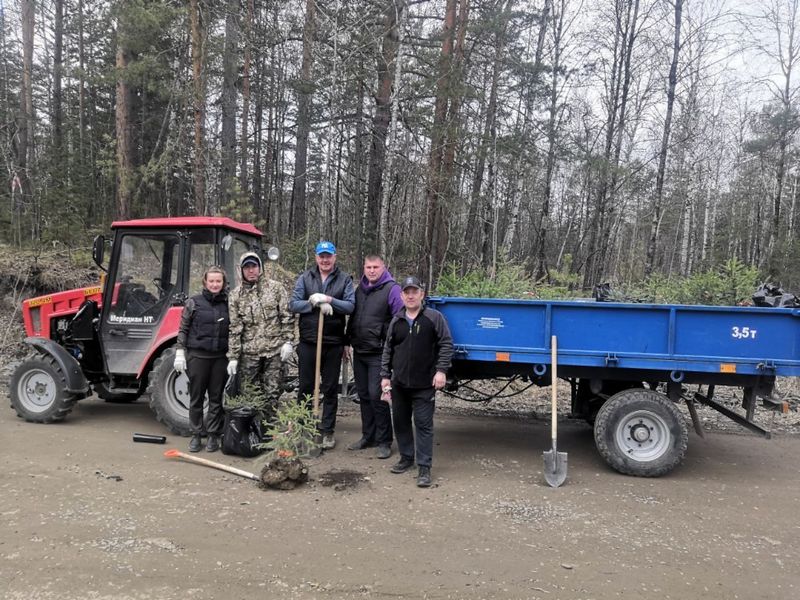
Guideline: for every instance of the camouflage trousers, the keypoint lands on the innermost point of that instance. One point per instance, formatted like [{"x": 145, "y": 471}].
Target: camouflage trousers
[{"x": 267, "y": 374}]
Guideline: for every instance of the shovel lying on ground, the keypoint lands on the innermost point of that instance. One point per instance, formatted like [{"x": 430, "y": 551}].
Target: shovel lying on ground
[
  {"x": 555, "y": 462},
  {"x": 210, "y": 463}
]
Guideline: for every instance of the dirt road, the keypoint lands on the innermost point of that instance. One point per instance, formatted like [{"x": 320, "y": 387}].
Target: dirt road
[{"x": 87, "y": 513}]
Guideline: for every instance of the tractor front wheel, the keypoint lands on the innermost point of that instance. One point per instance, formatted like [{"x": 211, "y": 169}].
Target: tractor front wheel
[
  {"x": 38, "y": 391},
  {"x": 169, "y": 394}
]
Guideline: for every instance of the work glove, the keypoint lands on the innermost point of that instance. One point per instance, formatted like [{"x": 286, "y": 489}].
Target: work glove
[
  {"x": 232, "y": 364},
  {"x": 179, "y": 364},
  {"x": 316, "y": 299},
  {"x": 286, "y": 351},
  {"x": 325, "y": 308}
]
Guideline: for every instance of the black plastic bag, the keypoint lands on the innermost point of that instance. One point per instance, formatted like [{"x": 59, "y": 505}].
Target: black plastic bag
[
  {"x": 774, "y": 296},
  {"x": 243, "y": 432}
]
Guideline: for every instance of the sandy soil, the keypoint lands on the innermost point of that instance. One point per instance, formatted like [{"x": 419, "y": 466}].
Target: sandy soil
[{"x": 87, "y": 513}]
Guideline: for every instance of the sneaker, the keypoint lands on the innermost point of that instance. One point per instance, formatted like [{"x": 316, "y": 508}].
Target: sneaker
[
  {"x": 384, "y": 451},
  {"x": 403, "y": 465},
  {"x": 328, "y": 441},
  {"x": 424, "y": 477},
  {"x": 360, "y": 444},
  {"x": 213, "y": 443},
  {"x": 195, "y": 444}
]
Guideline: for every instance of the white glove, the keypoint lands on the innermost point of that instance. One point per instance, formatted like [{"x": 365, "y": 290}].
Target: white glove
[
  {"x": 179, "y": 364},
  {"x": 286, "y": 351},
  {"x": 325, "y": 308},
  {"x": 315, "y": 299},
  {"x": 232, "y": 364}
]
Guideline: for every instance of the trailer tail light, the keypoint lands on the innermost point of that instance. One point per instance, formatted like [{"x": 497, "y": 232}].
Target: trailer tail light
[
  {"x": 727, "y": 368},
  {"x": 502, "y": 356}
]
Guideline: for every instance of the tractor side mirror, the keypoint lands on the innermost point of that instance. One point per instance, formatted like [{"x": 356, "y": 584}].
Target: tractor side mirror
[
  {"x": 273, "y": 253},
  {"x": 98, "y": 251}
]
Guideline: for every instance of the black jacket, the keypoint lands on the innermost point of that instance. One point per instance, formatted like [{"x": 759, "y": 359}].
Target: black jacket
[
  {"x": 414, "y": 353},
  {"x": 339, "y": 285},
  {"x": 366, "y": 328},
  {"x": 204, "y": 324}
]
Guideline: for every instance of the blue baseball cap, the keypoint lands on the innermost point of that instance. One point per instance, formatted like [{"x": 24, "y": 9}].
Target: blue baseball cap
[{"x": 325, "y": 247}]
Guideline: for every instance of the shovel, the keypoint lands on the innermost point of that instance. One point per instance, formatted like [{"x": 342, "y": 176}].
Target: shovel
[
  {"x": 211, "y": 463},
  {"x": 555, "y": 462},
  {"x": 317, "y": 450}
]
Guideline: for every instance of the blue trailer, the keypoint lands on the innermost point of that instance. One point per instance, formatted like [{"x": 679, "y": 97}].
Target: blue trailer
[{"x": 629, "y": 365}]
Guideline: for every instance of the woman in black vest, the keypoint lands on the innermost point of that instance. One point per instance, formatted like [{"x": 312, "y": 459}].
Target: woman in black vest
[{"x": 202, "y": 344}]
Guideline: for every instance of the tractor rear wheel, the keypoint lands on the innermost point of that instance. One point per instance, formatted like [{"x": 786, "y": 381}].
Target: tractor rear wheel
[
  {"x": 169, "y": 394},
  {"x": 38, "y": 391},
  {"x": 641, "y": 432}
]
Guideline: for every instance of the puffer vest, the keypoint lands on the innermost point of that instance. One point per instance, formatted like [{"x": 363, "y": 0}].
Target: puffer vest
[
  {"x": 333, "y": 327},
  {"x": 367, "y": 326},
  {"x": 209, "y": 329}
]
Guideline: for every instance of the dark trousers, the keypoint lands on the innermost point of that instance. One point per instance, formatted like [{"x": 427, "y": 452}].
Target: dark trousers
[
  {"x": 330, "y": 368},
  {"x": 419, "y": 403},
  {"x": 206, "y": 375},
  {"x": 376, "y": 415}
]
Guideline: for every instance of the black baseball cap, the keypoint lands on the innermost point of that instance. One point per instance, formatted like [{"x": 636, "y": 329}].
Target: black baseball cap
[{"x": 411, "y": 282}]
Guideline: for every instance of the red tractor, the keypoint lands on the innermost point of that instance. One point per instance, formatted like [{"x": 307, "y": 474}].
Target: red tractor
[{"x": 118, "y": 339}]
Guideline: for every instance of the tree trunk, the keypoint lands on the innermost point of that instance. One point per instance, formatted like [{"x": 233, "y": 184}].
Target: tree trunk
[
  {"x": 665, "y": 137},
  {"x": 244, "y": 184},
  {"x": 21, "y": 184},
  {"x": 542, "y": 269},
  {"x": 434, "y": 199},
  {"x": 305, "y": 92},
  {"x": 58, "y": 67},
  {"x": 381, "y": 122},
  {"x": 199, "y": 104},
  {"x": 125, "y": 183},
  {"x": 229, "y": 76}
]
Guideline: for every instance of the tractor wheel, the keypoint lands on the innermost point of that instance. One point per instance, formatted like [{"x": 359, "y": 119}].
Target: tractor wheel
[
  {"x": 641, "y": 432},
  {"x": 102, "y": 391},
  {"x": 169, "y": 394},
  {"x": 38, "y": 391}
]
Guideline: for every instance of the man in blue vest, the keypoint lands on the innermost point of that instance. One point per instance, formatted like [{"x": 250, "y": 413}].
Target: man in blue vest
[
  {"x": 322, "y": 291},
  {"x": 377, "y": 301}
]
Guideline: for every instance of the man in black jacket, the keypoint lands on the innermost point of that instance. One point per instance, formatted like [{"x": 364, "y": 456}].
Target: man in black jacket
[
  {"x": 323, "y": 291},
  {"x": 414, "y": 365},
  {"x": 377, "y": 301}
]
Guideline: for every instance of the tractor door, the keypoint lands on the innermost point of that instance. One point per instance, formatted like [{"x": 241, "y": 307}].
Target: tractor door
[{"x": 145, "y": 278}]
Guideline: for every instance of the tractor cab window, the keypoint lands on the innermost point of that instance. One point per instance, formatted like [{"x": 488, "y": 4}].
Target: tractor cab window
[
  {"x": 202, "y": 254},
  {"x": 146, "y": 278}
]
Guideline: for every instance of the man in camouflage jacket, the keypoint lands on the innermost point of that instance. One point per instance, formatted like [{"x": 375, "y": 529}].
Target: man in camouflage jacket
[{"x": 261, "y": 328}]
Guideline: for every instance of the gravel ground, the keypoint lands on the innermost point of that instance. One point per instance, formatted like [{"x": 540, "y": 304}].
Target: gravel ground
[{"x": 87, "y": 513}]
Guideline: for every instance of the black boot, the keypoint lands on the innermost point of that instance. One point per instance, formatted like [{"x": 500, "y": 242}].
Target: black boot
[
  {"x": 196, "y": 443},
  {"x": 213, "y": 443}
]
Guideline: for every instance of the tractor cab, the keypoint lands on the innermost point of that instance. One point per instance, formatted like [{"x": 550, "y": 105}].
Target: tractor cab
[
  {"x": 155, "y": 265},
  {"x": 118, "y": 340}
]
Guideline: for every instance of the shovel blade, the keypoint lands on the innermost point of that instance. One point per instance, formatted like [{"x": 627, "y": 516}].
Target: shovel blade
[{"x": 555, "y": 467}]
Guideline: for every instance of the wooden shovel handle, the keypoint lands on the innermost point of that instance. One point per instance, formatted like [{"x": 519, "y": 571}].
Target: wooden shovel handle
[
  {"x": 554, "y": 384},
  {"x": 210, "y": 463},
  {"x": 318, "y": 363}
]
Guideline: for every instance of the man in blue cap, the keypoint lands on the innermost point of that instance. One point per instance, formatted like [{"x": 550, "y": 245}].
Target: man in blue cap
[{"x": 322, "y": 290}]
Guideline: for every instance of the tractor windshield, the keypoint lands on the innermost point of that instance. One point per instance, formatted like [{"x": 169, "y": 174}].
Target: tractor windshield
[{"x": 146, "y": 278}]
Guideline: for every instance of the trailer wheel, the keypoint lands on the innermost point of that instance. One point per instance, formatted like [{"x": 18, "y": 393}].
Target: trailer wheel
[
  {"x": 102, "y": 391},
  {"x": 169, "y": 394},
  {"x": 38, "y": 391},
  {"x": 641, "y": 432}
]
